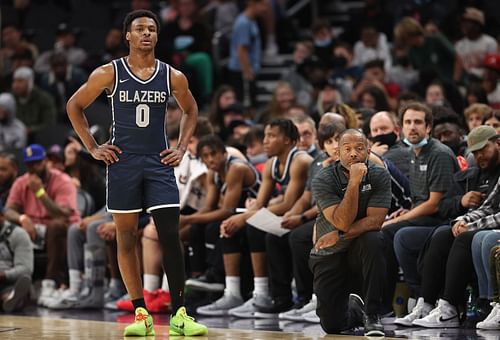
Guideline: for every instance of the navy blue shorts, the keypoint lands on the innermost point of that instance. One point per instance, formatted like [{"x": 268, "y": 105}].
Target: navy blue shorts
[{"x": 138, "y": 182}]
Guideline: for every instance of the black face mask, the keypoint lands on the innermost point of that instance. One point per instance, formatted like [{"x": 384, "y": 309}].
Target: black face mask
[
  {"x": 387, "y": 139},
  {"x": 339, "y": 62},
  {"x": 454, "y": 146}
]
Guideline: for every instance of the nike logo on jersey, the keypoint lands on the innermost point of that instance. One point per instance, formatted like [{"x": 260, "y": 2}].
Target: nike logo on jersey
[{"x": 124, "y": 80}]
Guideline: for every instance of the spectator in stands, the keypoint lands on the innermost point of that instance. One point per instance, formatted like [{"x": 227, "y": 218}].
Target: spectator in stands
[
  {"x": 245, "y": 52},
  {"x": 35, "y": 107},
  {"x": 114, "y": 48},
  {"x": 492, "y": 321},
  {"x": 448, "y": 265},
  {"x": 221, "y": 99},
  {"x": 492, "y": 119},
  {"x": 323, "y": 40},
  {"x": 353, "y": 200},
  {"x": 61, "y": 82},
  {"x": 328, "y": 96},
  {"x": 344, "y": 71},
  {"x": 385, "y": 135},
  {"x": 16, "y": 265},
  {"x": 475, "y": 93},
  {"x": 431, "y": 164},
  {"x": 43, "y": 202},
  {"x": 474, "y": 114},
  {"x": 8, "y": 174},
  {"x": 23, "y": 57},
  {"x": 429, "y": 54},
  {"x": 255, "y": 151},
  {"x": 13, "y": 43},
  {"x": 12, "y": 131},
  {"x": 307, "y": 132},
  {"x": 373, "y": 97},
  {"x": 347, "y": 112},
  {"x": 66, "y": 42},
  {"x": 491, "y": 79},
  {"x": 474, "y": 46},
  {"x": 283, "y": 98},
  {"x": 434, "y": 95},
  {"x": 232, "y": 113},
  {"x": 372, "y": 46},
  {"x": 297, "y": 80}
]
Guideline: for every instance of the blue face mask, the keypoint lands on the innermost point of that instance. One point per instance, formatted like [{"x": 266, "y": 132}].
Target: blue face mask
[
  {"x": 420, "y": 144},
  {"x": 322, "y": 42}
]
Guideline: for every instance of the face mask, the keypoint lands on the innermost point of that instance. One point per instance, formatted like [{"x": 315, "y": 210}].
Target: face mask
[
  {"x": 339, "y": 62},
  {"x": 260, "y": 158},
  {"x": 454, "y": 146},
  {"x": 322, "y": 42},
  {"x": 388, "y": 139},
  {"x": 420, "y": 144}
]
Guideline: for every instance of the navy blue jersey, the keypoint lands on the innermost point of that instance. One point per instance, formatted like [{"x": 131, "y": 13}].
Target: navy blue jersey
[
  {"x": 139, "y": 109},
  {"x": 285, "y": 177}
]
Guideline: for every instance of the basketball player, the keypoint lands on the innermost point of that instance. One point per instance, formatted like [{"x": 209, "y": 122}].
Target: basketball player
[{"x": 140, "y": 172}]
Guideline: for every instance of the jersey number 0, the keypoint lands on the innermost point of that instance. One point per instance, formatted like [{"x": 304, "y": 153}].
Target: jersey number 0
[{"x": 142, "y": 115}]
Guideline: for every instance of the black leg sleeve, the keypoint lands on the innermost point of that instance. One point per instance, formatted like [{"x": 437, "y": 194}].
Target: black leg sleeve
[{"x": 167, "y": 225}]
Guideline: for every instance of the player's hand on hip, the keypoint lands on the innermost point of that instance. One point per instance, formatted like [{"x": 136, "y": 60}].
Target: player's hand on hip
[
  {"x": 107, "y": 153},
  {"x": 172, "y": 157}
]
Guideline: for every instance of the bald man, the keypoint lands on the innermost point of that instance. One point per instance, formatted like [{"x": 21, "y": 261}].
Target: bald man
[
  {"x": 353, "y": 200},
  {"x": 385, "y": 135}
]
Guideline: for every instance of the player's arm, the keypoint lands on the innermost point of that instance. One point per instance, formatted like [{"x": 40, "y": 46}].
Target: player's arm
[
  {"x": 295, "y": 189},
  {"x": 234, "y": 187},
  {"x": 101, "y": 79},
  {"x": 187, "y": 103}
]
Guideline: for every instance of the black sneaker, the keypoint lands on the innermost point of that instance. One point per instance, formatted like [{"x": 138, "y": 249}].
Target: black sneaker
[
  {"x": 273, "y": 308},
  {"x": 356, "y": 311},
  {"x": 373, "y": 326},
  {"x": 18, "y": 296},
  {"x": 206, "y": 283}
]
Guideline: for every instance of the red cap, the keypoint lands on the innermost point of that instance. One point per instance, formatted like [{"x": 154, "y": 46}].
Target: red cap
[{"x": 492, "y": 60}]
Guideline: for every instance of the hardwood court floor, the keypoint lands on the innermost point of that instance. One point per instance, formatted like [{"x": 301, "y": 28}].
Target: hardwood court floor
[{"x": 34, "y": 328}]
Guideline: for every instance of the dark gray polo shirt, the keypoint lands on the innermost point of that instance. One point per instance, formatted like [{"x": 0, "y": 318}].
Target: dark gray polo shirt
[
  {"x": 431, "y": 170},
  {"x": 314, "y": 168},
  {"x": 399, "y": 155},
  {"x": 328, "y": 188}
]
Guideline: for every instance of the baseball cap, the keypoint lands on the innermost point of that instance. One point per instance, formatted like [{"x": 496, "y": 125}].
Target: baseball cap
[
  {"x": 33, "y": 153},
  {"x": 492, "y": 60},
  {"x": 479, "y": 137},
  {"x": 474, "y": 14}
]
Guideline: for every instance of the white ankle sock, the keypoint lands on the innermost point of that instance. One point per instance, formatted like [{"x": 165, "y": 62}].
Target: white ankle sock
[
  {"x": 151, "y": 282},
  {"x": 164, "y": 284},
  {"x": 261, "y": 286},
  {"x": 75, "y": 280},
  {"x": 233, "y": 285}
]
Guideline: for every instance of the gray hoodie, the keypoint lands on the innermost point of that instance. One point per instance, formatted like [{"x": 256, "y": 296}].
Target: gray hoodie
[
  {"x": 12, "y": 130},
  {"x": 16, "y": 256}
]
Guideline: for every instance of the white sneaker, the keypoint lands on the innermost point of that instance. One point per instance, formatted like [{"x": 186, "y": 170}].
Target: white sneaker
[
  {"x": 112, "y": 304},
  {"x": 420, "y": 310},
  {"x": 221, "y": 306},
  {"x": 443, "y": 316},
  {"x": 68, "y": 299},
  {"x": 48, "y": 288},
  {"x": 311, "y": 316},
  {"x": 246, "y": 310},
  {"x": 297, "y": 314},
  {"x": 492, "y": 321}
]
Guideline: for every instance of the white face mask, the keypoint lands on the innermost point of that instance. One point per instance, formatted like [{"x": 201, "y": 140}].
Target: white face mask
[{"x": 420, "y": 144}]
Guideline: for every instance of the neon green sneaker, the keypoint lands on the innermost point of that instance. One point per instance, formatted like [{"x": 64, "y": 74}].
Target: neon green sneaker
[
  {"x": 143, "y": 325},
  {"x": 183, "y": 324}
]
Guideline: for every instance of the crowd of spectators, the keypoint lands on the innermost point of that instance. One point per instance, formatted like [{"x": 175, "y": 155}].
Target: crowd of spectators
[{"x": 426, "y": 102}]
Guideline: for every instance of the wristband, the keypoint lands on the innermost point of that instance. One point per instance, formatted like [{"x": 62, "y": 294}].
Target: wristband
[
  {"x": 40, "y": 193},
  {"x": 303, "y": 218}
]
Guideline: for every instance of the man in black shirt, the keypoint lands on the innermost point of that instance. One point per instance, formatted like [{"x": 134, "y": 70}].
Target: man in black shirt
[{"x": 353, "y": 197}]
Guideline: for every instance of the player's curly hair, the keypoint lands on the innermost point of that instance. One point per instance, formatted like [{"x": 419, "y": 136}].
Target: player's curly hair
[
  {"x": 127, "y": 22},
  {"x": 287, "y": 127}
]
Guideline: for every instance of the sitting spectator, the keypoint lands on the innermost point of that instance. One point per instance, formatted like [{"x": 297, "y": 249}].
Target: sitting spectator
[
  {"x": 16, "y": 265},
  {"x": 475, "y": 93},
  {"x": 255, "y": 147},
  {"x": 12, "y": 130},
  {"x": 307, "y": 133},
  {"x": 491, "y": 79},
  {"x": 298, "y": 81},
  {"x": 283, "y": 98},
  {"x": 324, "y": 40},
  {"x": 492, "y": 321},
  {"x": 474, "y": 46},
  {"x": 372, "y": 97},
  {"x": 61, "y": 81},
  {"x": 43, "y": 202},
  {"x": 346, "y": 238},
  {"x": 474, "y": 114},
  {"x": 65, "y": 42},
  {"x": 434, "y": 95},
  {"x": 8, "y": 174},
  {"x": 223, "y": 97},
  {"x": 372, "y": 46},
  {"x": 12, "y": 43},
  {"x": 35, "y": 107},
  {"x": 492, "y": 119}
]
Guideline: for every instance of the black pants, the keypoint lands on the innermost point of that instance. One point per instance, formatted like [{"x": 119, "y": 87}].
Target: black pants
[
  {"x": 448, "y": 265},
  {"x": 337, "y": 275},
  {"x": 247, "y": 237},
  {"x": 389, "y": 232},
  {"x": 287, "y": 257},
  {"x": 205, "y": 248}
]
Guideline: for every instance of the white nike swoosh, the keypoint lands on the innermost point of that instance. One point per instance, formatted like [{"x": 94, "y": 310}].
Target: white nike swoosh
[{"x": 124, "y": 80}]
